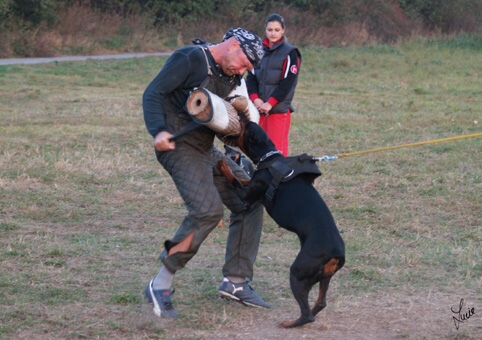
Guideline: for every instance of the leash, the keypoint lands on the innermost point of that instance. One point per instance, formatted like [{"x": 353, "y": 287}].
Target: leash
[
  {"x": 192, "y": 125},
  {"x": 328, "y": 158}
]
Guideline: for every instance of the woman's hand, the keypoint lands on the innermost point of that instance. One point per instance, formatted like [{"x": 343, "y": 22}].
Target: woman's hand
[
  {"x": 265, "y": 108},
  {"x": 258, "y": 102}
]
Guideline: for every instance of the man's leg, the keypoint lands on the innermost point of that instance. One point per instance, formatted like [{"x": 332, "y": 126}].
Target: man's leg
[
  {"x": 192, "y": 173},
  {"x": 243, "y": 240}
]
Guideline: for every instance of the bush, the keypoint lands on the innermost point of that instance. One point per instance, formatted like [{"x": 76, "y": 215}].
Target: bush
[
  {"x": 35, "y": 11},
  {"x": 446, "y": 16}
]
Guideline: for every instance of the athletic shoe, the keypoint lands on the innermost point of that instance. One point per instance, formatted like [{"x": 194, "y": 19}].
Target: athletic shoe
[
  {"x": 242, "y": 293},
  {"x": 161, "y": 302}
]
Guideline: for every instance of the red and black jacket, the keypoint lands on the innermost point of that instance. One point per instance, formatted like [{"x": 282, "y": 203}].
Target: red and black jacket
[{"x": 276, "y": 76}]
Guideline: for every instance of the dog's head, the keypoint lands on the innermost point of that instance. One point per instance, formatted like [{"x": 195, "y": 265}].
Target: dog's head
[
  {"x": 256, "y": 142},
  {"x": 253, "y": 140}
]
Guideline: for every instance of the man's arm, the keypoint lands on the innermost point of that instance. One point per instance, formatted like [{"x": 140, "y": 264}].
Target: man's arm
[{"x": 172, "y": 75}]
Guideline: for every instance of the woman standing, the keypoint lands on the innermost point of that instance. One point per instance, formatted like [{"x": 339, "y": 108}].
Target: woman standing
[{"x": 271, "y": 86}]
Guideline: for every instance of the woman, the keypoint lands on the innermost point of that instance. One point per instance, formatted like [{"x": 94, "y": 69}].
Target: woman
[{"x": 272, "y": 84}]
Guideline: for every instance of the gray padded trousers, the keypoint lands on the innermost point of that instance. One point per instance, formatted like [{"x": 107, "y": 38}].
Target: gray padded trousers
[{"x": 204, "y": 190}]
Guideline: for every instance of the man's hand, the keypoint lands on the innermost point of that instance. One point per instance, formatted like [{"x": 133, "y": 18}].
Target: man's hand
[{"x": 162, "y": 143}]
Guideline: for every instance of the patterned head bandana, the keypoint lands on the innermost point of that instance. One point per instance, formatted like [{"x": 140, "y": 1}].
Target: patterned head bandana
[{"x": 250, "y": 44}]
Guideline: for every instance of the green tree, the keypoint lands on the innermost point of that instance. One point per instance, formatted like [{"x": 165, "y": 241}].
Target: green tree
[
  {"x": 448, "y": 16},
  {"x": 5, "y": 8},
  {"x": 34, "y": 11}
]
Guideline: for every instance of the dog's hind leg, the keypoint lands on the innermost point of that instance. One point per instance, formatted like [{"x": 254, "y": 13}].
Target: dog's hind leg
[
  {"x": 302, "y": 278},
  {"x": 321, "y": 301},
  {"x": 300, "y": 292},
  {"x": 328, "y": 270}
]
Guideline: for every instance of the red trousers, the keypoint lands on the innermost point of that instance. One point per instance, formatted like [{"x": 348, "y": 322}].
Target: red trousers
[{"x": 277, "y": 126}]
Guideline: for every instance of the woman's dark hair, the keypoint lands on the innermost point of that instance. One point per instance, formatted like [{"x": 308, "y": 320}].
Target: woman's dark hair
[{"x": 276, "y": 17}]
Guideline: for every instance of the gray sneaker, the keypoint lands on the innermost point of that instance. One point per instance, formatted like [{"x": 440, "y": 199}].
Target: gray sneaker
[
  {"x": 161, "y": 302},
  {"x": 242, "y": 293}
]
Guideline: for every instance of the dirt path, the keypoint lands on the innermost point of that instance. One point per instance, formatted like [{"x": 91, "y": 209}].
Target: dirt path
[{"x": 77, "y": 58}]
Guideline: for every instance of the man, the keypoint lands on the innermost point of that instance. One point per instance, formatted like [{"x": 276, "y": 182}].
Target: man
[{"x": 191, "y": 161}]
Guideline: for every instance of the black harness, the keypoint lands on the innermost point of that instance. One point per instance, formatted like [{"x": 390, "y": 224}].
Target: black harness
[{"x": 285, "y": 169}]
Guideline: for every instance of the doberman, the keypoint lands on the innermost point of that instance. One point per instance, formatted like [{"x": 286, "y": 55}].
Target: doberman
[{"x": 298, "y": 207}]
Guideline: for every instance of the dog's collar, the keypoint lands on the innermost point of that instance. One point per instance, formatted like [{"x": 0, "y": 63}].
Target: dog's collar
[{"x": 268, "y": 155}]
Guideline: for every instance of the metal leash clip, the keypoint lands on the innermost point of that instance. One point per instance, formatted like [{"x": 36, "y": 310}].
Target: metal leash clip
[{"x": 326, "y": 158}]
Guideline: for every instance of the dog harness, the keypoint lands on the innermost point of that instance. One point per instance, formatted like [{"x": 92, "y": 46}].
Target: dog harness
[{"x": 285, "y": 169}]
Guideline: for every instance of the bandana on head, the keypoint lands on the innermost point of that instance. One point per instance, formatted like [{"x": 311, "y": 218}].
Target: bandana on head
[{"x": 250, "y": 43}]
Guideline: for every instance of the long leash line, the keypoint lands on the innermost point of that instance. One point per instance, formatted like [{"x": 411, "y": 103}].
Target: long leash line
[{"x": 356, "y": 153}]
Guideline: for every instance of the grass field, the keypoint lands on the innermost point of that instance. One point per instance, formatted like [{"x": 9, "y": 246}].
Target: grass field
[{"x": 85, "y": 207}]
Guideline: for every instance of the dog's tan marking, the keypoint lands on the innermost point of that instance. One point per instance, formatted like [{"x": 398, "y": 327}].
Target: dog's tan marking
[{"x": 331, "y": 267}]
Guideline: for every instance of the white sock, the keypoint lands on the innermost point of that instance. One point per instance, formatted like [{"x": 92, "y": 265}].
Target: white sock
[
  {"x": 236, "y": 279},
  {"x": 163, "y": 280}
]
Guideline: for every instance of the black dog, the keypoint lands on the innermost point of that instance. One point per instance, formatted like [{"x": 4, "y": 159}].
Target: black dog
[
  {"x": 296, "y": 206},
  {"x": 236, "y": 156}
]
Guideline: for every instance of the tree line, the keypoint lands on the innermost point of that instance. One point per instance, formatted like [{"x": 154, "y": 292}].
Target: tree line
[
  {"x": 447, "y": 16},
  {"x": 43, "y": 28}
]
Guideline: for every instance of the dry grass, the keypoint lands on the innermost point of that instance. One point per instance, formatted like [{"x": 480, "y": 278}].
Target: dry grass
[{"x": 84, "y": 206}]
